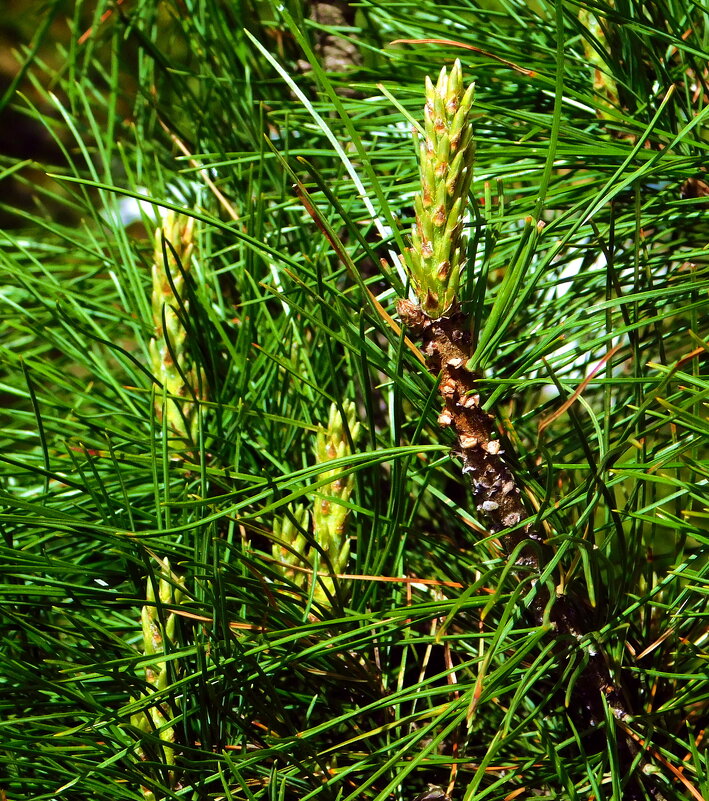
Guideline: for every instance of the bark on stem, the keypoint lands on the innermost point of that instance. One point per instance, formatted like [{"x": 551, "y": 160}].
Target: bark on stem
[{"x": 447, "y": 347}]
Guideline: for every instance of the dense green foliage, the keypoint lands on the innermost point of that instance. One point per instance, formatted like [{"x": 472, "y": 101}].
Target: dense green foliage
[{"x": 422, "y": 668}]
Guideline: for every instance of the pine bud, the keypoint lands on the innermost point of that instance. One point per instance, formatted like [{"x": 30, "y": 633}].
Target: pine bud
[
  {"x": 437, "y": 252},
  {"x": 159, "y": 632},
  {"x": 172, "y": 259},
  {"x": 329, "y": 513}
]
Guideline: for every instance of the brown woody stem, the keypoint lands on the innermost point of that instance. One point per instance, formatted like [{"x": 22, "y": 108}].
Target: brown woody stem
[{"x": 447, "y": 348}]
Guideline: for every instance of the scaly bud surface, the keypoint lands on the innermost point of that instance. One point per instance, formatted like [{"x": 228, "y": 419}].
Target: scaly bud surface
[
  {"x": 329, "y": 513},
  {"x": 158, "y": 636},
  {"x": 170, "y": 341},
  {"x": 437, "y": 253},
  {"x": 290, "y": 547}
]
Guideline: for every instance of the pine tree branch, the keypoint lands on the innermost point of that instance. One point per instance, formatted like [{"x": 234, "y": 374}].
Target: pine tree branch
[{"x": 498, "y": 495}]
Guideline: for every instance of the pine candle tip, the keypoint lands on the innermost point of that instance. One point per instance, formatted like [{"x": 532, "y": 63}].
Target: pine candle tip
[
  {"x": 329, "y": 510},
  {"x": 437, "y": 253},
  {"x": 173, "y": 247}
]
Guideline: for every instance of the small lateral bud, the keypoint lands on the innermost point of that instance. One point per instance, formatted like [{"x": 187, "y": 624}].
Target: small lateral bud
[
  {"x": 448, "y": 388},
  {"x": 411, "y": 315},
  {"x": 444, "y": 418}
]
